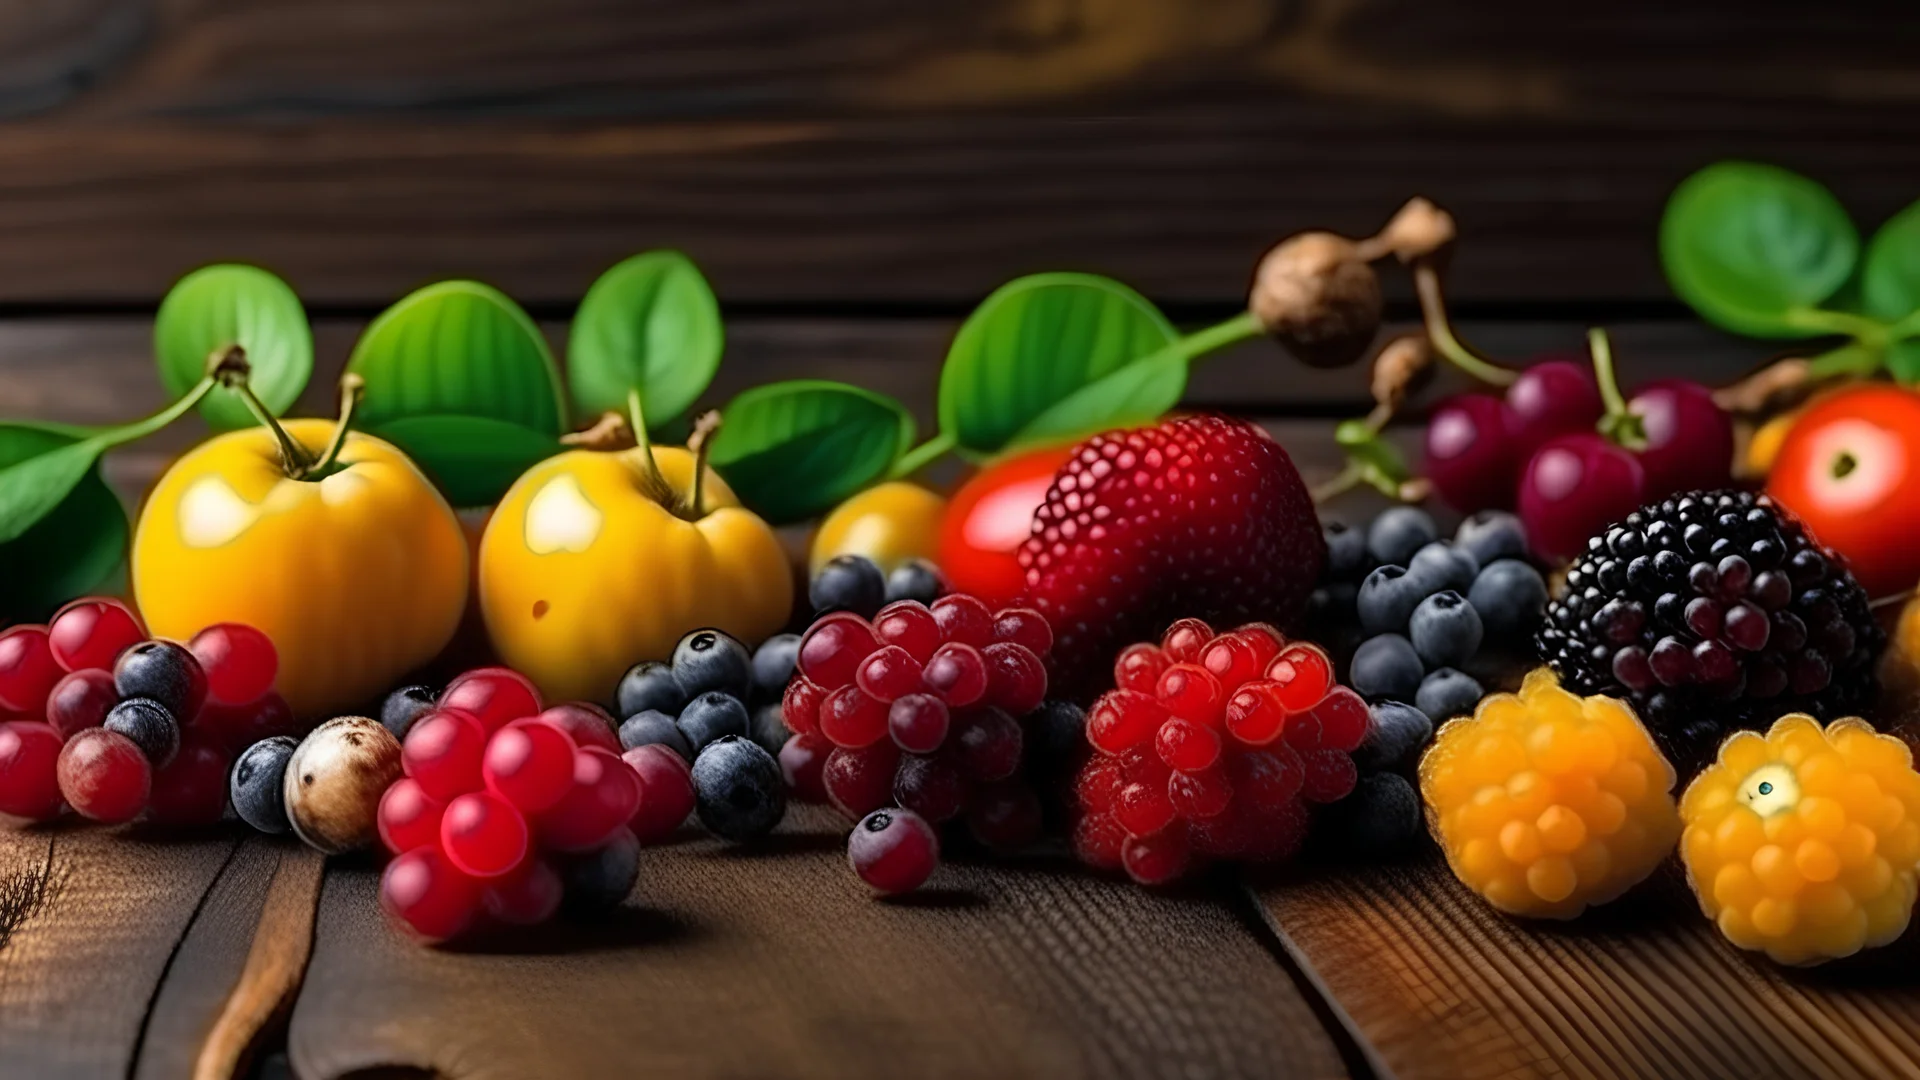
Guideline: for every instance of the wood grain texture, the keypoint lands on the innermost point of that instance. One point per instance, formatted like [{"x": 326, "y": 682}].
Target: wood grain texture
[
  {"x": 775, "y": 961},
  {"x": 1437, "y": 984},
  {"x": 856, "y": 151}
]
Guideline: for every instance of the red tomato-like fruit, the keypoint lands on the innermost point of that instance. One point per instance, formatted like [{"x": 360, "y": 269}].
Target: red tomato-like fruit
[
  {"x": 1850, "y": 469},
  {"x": 989, "y": 518}
]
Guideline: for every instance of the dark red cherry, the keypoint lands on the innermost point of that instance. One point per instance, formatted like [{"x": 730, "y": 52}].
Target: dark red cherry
[
  {"x": 1689, "y": 438},
  {"x": 1470, "y": 457},
  {"x": 1575, "y": 486},
  {"x": 1555, "y": 396}
]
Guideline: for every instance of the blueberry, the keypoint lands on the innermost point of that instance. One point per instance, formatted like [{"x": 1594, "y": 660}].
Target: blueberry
[
  {"x": 1490, "y": 535},
  {"x": 1386, "y": 600},
  {"x": 165, "y": 672},
  {"x": 737, "y": 790},
  {"x": 1511, "y": 598},
  {"x": 1380, "y": 817},
  {"x": 713, "y": 715},
  {"x": 1445, "y": 630},
  {"x": 257, "y": 785},
  {"x": 650, "y": 685},
  {"x": 650, "y": 726},
  {"x": 1346, "y": 551},
  {"x": 601, "y": 879},
  {"x": 1386, "y": 666},
  {"x": 770, "y": 729},
  {"x": 1440, "y": 566},
  {"x": 773, "y": 664},
  {"x": 1398, "y": 532},
  {"x": 1056, "y": 738},
  {"x": 916, "y": 579},
  {"x": 848, "y": 583},
  {"x": 403, "y": 707},
  {"x": 1447, "y": 693},
  {"x": 1395, "y": 734},
  {"x": 712, "y": 660},
  {"x": 151, "y": 727}
]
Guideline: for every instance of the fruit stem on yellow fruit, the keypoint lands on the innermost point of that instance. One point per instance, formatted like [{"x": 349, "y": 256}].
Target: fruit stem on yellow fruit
[
  {"x": 351, "y": 387},
  {"x": 700, "y": 442},
  {"x": 230, "y": 362},
  {"x": 1433, "y": 311},
  {"x": 652, "y": 481}
]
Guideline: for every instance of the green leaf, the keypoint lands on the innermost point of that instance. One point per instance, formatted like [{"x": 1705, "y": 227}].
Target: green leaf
[
  {"x": 69, "y": 550},
  {"x": 1903, "y": 360},
  {"x": 1017, "y": 370},
  {"x": 458, "y": 348},
  {"x": 31, "y": 487},
  {"x": 473, "y": 460},
  {"x": 1754, "y": 248},
  {"x": 1364, "y": 446},
  {"x": 1890, "y": 283},
  {"x": 651, "y": 323},
  {"x": 232, "y": 304},
  {"x": 790, "y": 450}
]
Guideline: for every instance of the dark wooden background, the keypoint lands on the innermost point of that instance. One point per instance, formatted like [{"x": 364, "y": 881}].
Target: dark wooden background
[{"x": 854, "y": 175}]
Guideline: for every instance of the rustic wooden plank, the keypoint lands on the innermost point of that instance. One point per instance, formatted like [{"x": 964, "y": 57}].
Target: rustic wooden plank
[
  {"x": 1437, "y": 984},
  {"x": 857, "y": 151},
  {"x": 774, "y": 961}
]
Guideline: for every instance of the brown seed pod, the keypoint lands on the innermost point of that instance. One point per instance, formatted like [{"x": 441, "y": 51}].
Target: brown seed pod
[
  {"x": 1317, "y": 295},
  {"x": 1420, "y": 229},
  {"x": 334, "y": 782},
  {"x": 1400, "y": 364}
]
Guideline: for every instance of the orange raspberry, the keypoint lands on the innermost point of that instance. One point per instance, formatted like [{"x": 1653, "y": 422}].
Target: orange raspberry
[
  {"x": 1547, "y": 803},
  {"x": 1805, "y": 843}
]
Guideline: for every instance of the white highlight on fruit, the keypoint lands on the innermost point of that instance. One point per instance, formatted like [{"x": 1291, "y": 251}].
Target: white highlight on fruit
[
  {"x": 342, "y": 488},
  {"x": 212, "y": 514},
  {"x": 559, "y": 518},
  {"x": 1877, "y": 469},
  {"x": 1003, "y": 519}
]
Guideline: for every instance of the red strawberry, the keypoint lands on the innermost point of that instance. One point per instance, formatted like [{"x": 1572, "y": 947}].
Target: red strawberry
[{"x": 1198, "y": 516}]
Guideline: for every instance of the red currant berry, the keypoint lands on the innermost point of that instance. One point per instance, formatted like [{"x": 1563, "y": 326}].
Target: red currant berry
[
  {"x": 1254, "y": 715},
  {"x": 1200, "y": 795},
  {"x": 585, "y": 723},
  {"x": 27, "y": 670},
  {"x": 858, "y": 782},
  {"x": 850, "y": 718},
  {"x": 1123, "y": 719},
  {"x": 888, "y": 674},
  {"x": 1142, "y": 809},
  {"x": 1344, "y": 719},
  {"x": 29, "y": 765},
  {"x": 932, "y": 787},
  {"x": 604, "y": 797},
  {"x": 918, "y": 723},
  {"x": 1139, "y": 668},
  {"x": 894, "y": 851},
  {"x": 423, "y": 891},
  {"x": 833, "y": 647},
  {"x": 1329, "y": 776},
  {"x": 92, "y": 633},
  {"x": 957, "y": 673},
  {"x": 240, "y": 726},
  {"x": 240, "y": 662},
  {"x": 1094, "y": 789},
  {"x": 1191, "y": 691},
  {"x": 1097, "y": 840},
  {"x": 1186, "y": 746},
  {"x": 529, "y": 764},
  {"x": 443, "y": 751},
  {"x": 495, "y": 696},
  {"x": 484, "y": 835},
  {"x": 80, "y": 701},
  {"x": 1184, "y": 639},
  {"x": 1158, "y": 858},
  {"x": 987, "y": 744},
  {"x": 104, "y": 776},
  {"x": 1266, "y": 779},
  {"x": 1265, "y": 639},
  {"x": 666, "y": 791},
  {"x": 1005, "y": 816},
  {"x": 192, "y": 788},
  {"x": 802, "y": 760},
  {"x": 527, "y": 897},
  {"x": 964, "y": 619},
  {"x": 408, "y": 817},
  {"x": 1016, "y": 678},
  {"x": 1303, "y": 674},
  {"x": 910, "y": 625},
  {"x": 800, "y": 706},
  {"x": 1232, "y": 659},
  {"x": 1024, "y": 626}
]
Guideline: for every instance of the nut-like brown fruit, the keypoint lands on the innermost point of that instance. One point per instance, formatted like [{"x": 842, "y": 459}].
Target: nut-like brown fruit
[
  {"x": 1418, "y": 230},
  {"x": 334, "y": 782},
  {"x": 1318, "y": 297}
]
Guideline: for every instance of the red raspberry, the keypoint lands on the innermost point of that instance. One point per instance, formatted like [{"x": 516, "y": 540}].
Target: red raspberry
[
  {"x": 1143, "y": 809},
  {"x": 1265, "y": 639},
  {"x": 1139, "y": 668},
  {"x": 1330, "y": 776},
  {"x": 1234, "y": 659},
  {"x": 1183, "y": 640},
  {"x": 1303, "y": 674},
  {"x": 1122, "y": 720},
  {"x": 1197, "y": 515},
  {"x": 1343, "y": 720},
  {"x": 1254, "y": 714},
  {"x": 1200, "y": 795},
  {"x": 1097, "y": 785},
  {"x": 1191, "y": 692},
  {"x": 1186, "y": 746}
]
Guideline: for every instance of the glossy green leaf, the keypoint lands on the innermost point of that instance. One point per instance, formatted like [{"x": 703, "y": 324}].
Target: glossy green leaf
[
  {"x": 1754, "y": 248},
  {"x": 30, "y": 488},
  {"x": 458, "y": 348},
  {"x": 69, "y": 550},
  {"x": 1903, "y": 360},
  {"x": 651, "y": 323},
  {"x": 232, "y": 304},
  {"x": 473, "y": 460},
  {"x": 1024, "y": 366},
  {"x": 790, "y": 450},
  {"x": 1890, "y": 283}
]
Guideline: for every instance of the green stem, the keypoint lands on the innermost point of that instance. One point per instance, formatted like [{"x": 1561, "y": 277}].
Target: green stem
[
  {"x": 701, "y": 441},
  {"x": 1433, "y": 312},
  {"x": 140, "y": 429},
  {"x": 351, "y": 386},
  {"x": 292, "y": 455},
  {"x": 1344, "y": 481},
  {"x": 1828, "y": 321},
  {"x": 1619, "y": 424},
  {"x": 656, "y": 481},
  {"x": 1219, "y": 336},
  {"x": 1905, "y": 328},
  {"x": 921, "y": 456}
]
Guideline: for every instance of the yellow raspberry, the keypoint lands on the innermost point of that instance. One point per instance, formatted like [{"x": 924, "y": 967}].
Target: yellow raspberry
[
  {"x": 1805, "y": 843},
  {"x": 1547, "y": 803}
]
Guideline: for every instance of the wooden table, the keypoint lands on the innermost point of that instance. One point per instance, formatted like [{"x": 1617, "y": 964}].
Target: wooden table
[{"x": 854, "y": 176}]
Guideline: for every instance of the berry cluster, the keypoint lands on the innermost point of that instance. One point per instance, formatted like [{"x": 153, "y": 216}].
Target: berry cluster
[
  {"x": 506, "y": 809},
  {"x": 1213, "y": 746},
  {"x": 101, "y": 719},
  {"x": 1426, "y": 606}
]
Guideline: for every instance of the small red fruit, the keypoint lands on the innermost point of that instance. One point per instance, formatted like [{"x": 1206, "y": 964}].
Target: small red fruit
[
  {"x": 428, "y": 895},
  {"x": 93, "y": 632},
  {"x": 1850, "y": 469},
  {"x": 666, "y": 791},
  {"x": 1470, "y": 454},
  {"x": 1575, "y": 486},
  {"x": 495, "y": 696},
  {"x": 27, "y": 670},
  {"x": 29, "y": 759},
  {"x": 1689, "y": 438},
  {"x": 989, "y": 518}
]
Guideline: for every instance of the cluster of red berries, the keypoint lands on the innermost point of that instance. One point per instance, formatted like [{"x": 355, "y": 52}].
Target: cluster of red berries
[
  {"x": 917, "y": 710},
  {"x": 95, "y": 716},
  {"x": 507, "y": 808},
  {"x": 1213, "y": 747}
]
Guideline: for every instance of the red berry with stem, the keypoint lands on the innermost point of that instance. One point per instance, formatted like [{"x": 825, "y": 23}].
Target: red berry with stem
[
  {"x": 27, "y": 670},
  {"x": 1024, "y": 626},
  {"x": 527, "y": 897},
  {"x": 1016, "y": 678},
  {"x": 484, "y": 835},
  {"x": 92, "y": 633},
  {"x": 1549, "y": 398},
  {"x": 1689, "y": 438},
  {"x": 1158, "y": 858},
  {"x": 29, "y": 765},
  {"x": 104, "y": 776},
  {"x": 80, "y": 701},
  {"x": 1139, "y": 668},
  {"x": 666, "y": 791},
  {"x": 802, "y": 761},
  {"x": 408, "y": 817},
  {"x": 964, "y": 619},
  {"x": 889, "y": 673},
  {"x": 192, "y": 788},
  {"x": 424, "y": 892},
  {"x": 604, "y": 797},
  {"x": 918, "y": 723},
  {"x": 893, "y": 850},
  {"x": 1184, "y": 640},
  {"x": 495, "y": 696},
  {"x": 910, "y": 625},
  {"x": 529, "y": 764},
  {"x": 987, "y": 744},
  {"x": 585, "y": 723},
  {"x": 957, "y": 673},
  {"x": 240, "y": 662},
  {"x": 800, "y": 705},
  {"x": 1470, "y": 453},
  {"x": 833, "y": 647},
  {"x": 859, "y": 782},
  {"x": 443, "y": 751},
  {"x": 1573, "y": 488},
  {"x": 851, "y": 718}
]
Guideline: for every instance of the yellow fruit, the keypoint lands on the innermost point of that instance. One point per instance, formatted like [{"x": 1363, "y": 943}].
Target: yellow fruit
[
  {"x": 358, "y": 578},
  {"x": 1800, "y": 843},
  {"x": 589, "y": 566},
  {"x": 1764, "y": 445},
  {"x": 889, "y": 523},
  {"x": 1547, "y": 803}
]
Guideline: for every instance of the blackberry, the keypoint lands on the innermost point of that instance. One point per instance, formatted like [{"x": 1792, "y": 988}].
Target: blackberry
[{"x": 1709, "y": 612}]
